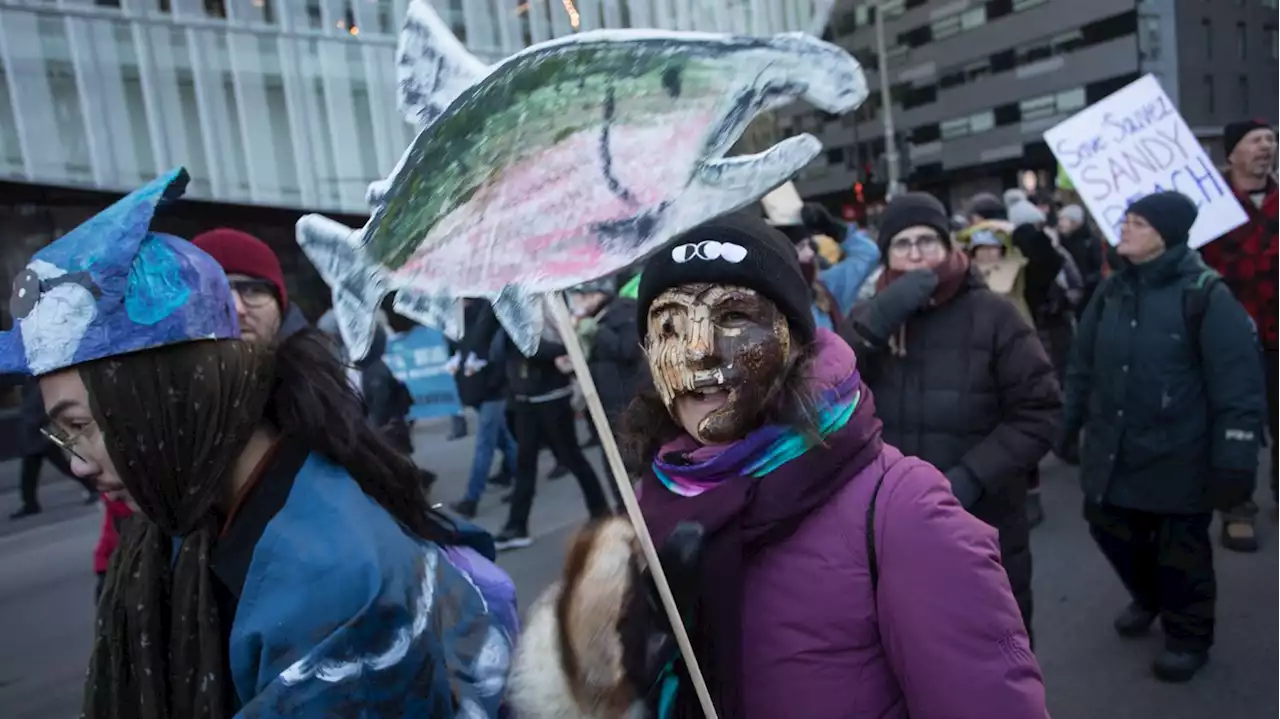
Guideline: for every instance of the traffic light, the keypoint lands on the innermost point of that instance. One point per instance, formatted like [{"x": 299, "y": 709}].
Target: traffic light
[{"x": 857, "y": 192}]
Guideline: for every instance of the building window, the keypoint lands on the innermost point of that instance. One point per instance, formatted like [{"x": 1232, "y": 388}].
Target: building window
[
  {"x": 1020, "y": 5},
  {"x": 1071, "y": 100},
  {"x": 1038, "y": 108},
  {"x": 952, "y": 129},
  {"x": 973, "y": 18},
  {"x": 835, "y": 156},
  {"x": 982, "y": 121},
  {"x": 1207, "y": 28},
  {"x": 1269, "y": 4},
  {"x": 1244, "y": 94},
  {"x": 1242, "y": 42},
  {"x": 1272, "y": 41},
  {"x": 1208, "y": 94}
]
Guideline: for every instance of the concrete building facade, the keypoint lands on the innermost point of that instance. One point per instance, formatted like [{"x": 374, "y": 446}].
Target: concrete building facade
[{"x": 974, "y": 83}]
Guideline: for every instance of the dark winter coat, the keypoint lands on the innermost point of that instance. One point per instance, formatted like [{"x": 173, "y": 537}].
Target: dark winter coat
[
  {"x": 1163, "y": 413},
  {"x": 974, "y": 389},
  {"x": 489, "y": 383},
  {"x": 527, "y": 377},
  {"x": 1089, "y": 252},
  {"x": 616, "y": 358}
]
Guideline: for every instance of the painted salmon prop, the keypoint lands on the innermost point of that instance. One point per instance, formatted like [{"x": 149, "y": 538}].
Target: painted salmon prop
[{"x": 563, "y": 163}]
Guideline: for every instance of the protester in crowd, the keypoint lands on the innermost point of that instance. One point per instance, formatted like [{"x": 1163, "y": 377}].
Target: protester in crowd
[
  {"x": 1166, "y": 386},
  {"x": 1246, "y": 258},
  {"x": 36, "y": 450},
  {"x": 1052, "y": 302},
  {"x": 541, "y": 402},
  {"x": 961, "y": 378},
  {"x": 617, "y": 362},
  {"x": 116, "y": 510},
  {"x": 1002, "y": 266},
  {"x": 482, "y": 386},
  {"x": 835, "y": 281},
  {"x": 823, "y": 574},
  {"x": 289, "y": 563},
  {"x": 257, "y": 283},
  {"x": 1087, "y": 250}
]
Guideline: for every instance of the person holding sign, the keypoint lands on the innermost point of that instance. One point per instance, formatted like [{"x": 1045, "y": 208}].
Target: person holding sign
[
  {"x": 1165, "y": 385},
  {"x": 833, "y": 577},
  {"x": 1246, "y": 257},
  {"x": 963, "y": 379}
]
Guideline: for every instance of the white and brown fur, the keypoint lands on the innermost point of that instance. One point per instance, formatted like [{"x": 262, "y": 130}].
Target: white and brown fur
[{"x": 572, "y": 661}]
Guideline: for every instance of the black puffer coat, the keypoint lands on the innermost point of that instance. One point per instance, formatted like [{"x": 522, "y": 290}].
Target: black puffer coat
[
  {"x": 1166, "y": 408},
  {"x": 973, "y": 388},
  {"x": 616, "y": 357}
]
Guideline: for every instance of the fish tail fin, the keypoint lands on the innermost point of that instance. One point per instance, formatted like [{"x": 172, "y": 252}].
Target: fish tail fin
[
  {"x": 732, "y": 183},
  {"x": 432, "y": 66},
  {"x": 357, "y": 282}
]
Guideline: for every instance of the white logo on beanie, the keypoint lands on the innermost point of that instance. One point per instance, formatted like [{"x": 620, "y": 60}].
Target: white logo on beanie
[{"x": 709, "y": 250}]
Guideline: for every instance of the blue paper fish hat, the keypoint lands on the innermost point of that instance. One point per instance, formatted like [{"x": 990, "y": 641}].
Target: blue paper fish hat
[{"x": 111, "y": 286}]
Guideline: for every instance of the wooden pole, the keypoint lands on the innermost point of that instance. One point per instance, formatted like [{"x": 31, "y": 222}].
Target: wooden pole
[{"x": 564, "y": 323}]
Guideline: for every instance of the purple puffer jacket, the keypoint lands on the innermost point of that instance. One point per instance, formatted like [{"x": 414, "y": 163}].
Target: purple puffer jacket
[{"x": 941, "y": 637}]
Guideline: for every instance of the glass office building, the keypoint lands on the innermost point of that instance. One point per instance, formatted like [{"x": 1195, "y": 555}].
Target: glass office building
[{"x": 276, "y": 103}]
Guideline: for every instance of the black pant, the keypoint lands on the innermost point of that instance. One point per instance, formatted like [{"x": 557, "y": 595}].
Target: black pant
[
  {"x": 1272, "y": 360},
  {"x": 550, "y": 424},
  {"x": 1166, "y": 563},
  {"x": 31, "y": 465}
]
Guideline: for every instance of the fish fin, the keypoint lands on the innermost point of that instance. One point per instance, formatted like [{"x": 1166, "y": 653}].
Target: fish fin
[
  {"x": 732, "y": 183},
  {"x": 358, "y": 284},
  {"x": 376, "y": 195},
  {"x": 432, "y": 67},
  {"x": 443, "y": 312},
  {"x": 523, "y": 315}
]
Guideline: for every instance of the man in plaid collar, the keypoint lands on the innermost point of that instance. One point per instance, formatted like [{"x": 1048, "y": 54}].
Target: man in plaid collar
[{"x": 1246, "y": 259}]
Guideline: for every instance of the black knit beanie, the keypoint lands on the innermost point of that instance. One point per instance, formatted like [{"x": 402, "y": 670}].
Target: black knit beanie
[
  {"x": 912, "y": 210},
  {"x": 737, "y": 250},
  {"x": 1171, "y": 214},
  {"x": 987, "y": 206},
  {"x": 1233, "y": 133}
]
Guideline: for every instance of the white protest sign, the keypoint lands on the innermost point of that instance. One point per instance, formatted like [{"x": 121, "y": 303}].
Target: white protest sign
[
  {"x": 783, "y": 205},
  {"x": 1133, "y": 143}
]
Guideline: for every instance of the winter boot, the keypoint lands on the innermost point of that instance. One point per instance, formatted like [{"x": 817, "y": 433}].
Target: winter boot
[
  {"x": 1035, "y": 509},
  {"x": 1179, "y": 666},
  {"x": 465, "y": 508},
  {"x": 1239, "y": 535},
  {"x": 1134, "y": 621}
]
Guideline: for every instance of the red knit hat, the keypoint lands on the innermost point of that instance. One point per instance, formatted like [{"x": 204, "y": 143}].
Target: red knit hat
[{"x": 240, "y": 253}]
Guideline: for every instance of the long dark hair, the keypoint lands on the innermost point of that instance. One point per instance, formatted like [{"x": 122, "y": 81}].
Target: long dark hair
[
  {"x": 647, "y": 424},
  {"x": 314, "y": 402}
]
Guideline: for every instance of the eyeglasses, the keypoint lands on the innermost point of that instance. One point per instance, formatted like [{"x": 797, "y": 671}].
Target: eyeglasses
[
  {"x": 66, "y": 441},
  {"x": 254, "y": 293},
  {"x": 925, "y": 245}
]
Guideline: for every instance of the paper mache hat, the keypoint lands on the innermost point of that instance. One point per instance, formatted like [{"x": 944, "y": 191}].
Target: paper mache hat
[{"x": 111, "y": 286}]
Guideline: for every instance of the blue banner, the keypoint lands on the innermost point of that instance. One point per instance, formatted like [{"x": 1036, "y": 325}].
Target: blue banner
[{"x": 417, "y": 358}]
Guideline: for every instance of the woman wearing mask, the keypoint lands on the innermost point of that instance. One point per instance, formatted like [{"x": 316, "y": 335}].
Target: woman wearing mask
[
  {"x": 822, "y": 574},
  {"x": 287, "y": 562},
  {"x": 1165, "y": 383},
  {"x": 960, "y": 378}
]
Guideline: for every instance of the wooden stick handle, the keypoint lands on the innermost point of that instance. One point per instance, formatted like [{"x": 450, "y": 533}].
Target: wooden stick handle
[{"x": 564, "y": 323}]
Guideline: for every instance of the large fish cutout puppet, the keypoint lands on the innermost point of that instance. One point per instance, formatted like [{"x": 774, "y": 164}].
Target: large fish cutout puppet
[{"x": 565, "y": 162}]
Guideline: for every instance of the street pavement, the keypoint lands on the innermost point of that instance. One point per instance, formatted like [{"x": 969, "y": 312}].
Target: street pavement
[{"x": 46, "y": 586}]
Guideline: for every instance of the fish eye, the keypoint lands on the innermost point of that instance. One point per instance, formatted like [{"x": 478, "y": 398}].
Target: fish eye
[{"x": 26, "y": 293}]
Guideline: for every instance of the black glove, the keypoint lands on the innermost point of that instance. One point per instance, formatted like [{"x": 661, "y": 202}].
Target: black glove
[
  {"x": 1230, "y": 488},
  {"x": 1067, "y": 447},
  {"x": 965, "y": 486},
  {"x": 651, "y": 655},
  {"x": 894, "y": 304},
  {"x": 817, "y": 219}
]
